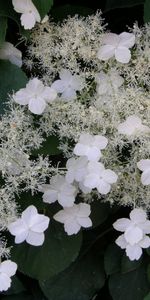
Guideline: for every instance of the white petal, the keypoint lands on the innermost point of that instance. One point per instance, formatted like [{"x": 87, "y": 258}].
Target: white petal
[
  {"x": 111, "y": 39},
  {"x": 84, "y": 188},
  {"x": 127, "y": 39},
  {"x": 35, "y": 86},
  {"x": 65, "y": 75},
  {"x": 134, "y": 252},
  {"x": 122, "y": 224},
  {"x": 121, "y": 242},
  {"x": 72, "y": 227},
  {"x": 41, "y": 223},
  {"x": 145, "y": 226},
  {"x": 84, "y": 222},
  {"x": 69, "y": 94},
  {"x": 5, "y": 282},
  {"x": 144, "y": 164},
  {"x": 37, "y": 105},
  {"x": 70, "y": 176},
  {"x": 21, "y": 6},
  {"x": 50, "y": 196},
  {"x": 106, "y": 52},
  {"x": 21, "y": 97},
  {"x": 77, "y": 83},
  {"x": 91, "y": 181},
  {"x": 21, "y": 237},
  {"x": 8, "y": 267},
  {"x": 93, "y": 154},
  {"x": 84, "y": 210},
  {"x": 125, "y": 128},
  {"x": 145, "y": 178},
  {"x": 145, "y": 243},
  {"x": 66, "y": 200},
  {"x": 86, "y": 139},
  {"x": 133, "y": 235},
  {"x": 138, "y": 215},
  {"x": 134, "y": 121},
  {"x": 103, "y": 187},
  {"x": 100, "y": 141},
  {"x": 28, "y": 20},
  {"x": 59, "y": 86},
  {"x": 109, "y": 176},
  {"x": 35, "y": 239},
  {"x": 80, "y": 149},
  {"x": 17, "y": 227},
  {"x": 16, "y": 61},
  {"x": 61, "y": 216},
  {"x": 28, "y": 215},
  {"x": 123, "y": 55},
  {"x": 49, "y": 94}
]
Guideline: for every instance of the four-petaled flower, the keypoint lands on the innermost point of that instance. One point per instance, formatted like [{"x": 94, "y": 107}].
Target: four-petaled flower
[
  {"x": 11, "y": 53},
  {"x": 99, "y": 177},
  {"x": 134, "y": 237},
  {"x": 132, "y": 126},
  {"x": 108, "y": 82},
  {"x": 68, "y": 84},
  {"x": 8, "y": 268},
  {"x": 29, "y": 227},
  {"x": 29, "y": 13},
  {"x": 74, "y": 217},
  {"x": 90, "y": 146},
  {"x": 144, "y": 165},
  {"x": 59, "y": 189},
  {"x": 35, "y": 95},
  {"x": 117, "y": 45},
  {"x": 77, "y": 169}
]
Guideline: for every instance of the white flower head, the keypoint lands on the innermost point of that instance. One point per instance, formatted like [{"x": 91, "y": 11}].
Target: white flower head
[
  {"x": 11, "y": 53},
  {"x": 29, "y": 13},
  {"x": 117, "y": 45},
  {"x": 132, "y": 126},
  {"x": 29, "y": 227},
  {"x": 68, "y": 84},
  {"x": 90, "y": 146},
  {"x": 35, "y": 95},
  {"x": 8, "y": 269},
  {"x": 134, "y": 237},
  {"x": 59, "y": 189},
  {"x": 77, "y": 169},
  {"x": 74, "y": 217},
  {"x": 99, "y": 177},
  {"x": 108, "y": 83},
  {"x": 144, "y": 165}
]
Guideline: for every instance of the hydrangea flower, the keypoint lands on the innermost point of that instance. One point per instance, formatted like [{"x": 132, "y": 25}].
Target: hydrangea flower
[
  {"x": 11, "y": 53},
  {"x": 68, "y": 84},
  {"x": 29, "y": 13},
  {"x": 77, "y": 169},
  {"x": 74, "y": 217},
  {"x": 117, "y": 45},
  {"x": 8, "y": 269},
  {"x": 35, "y": 95},
  {"x": 107, "y": 83},
  {"x": 132, "y": 125},
  {"x": 144, "y": 165},
  {"x": 90, "y": 146},
  {"x": 59, "y": 189},
  {"x": 134, "y": 237},
  {"x": 99, "y": 177},
  {"x": 29, "y": 227}
]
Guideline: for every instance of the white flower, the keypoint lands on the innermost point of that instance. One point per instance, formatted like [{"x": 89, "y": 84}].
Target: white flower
[
  {"x": 35, "y": 95},
  {"x": 133, "y": 125},
  {"x": 29, "y": 13},
  {"x": 117, "y": 45},
  {"x": 11, "y": 53},
  {"x": 99, "y": 177},
  {"x": 135, "y": 230},
  {"x": 107, "y": 83},
  {"x": 90, "y": 146},
  {"x": 77, "y": 169},
  {"x": 68, "y": 84},
  {"x": 74, "y": 217},
  {"x": 59, "y": 189},
  {"x": 45, "y": 19},
  {"x": 8, "y": 268},
  {"x": 29, "y": 227},
  {"x": 144, "y": 165}
]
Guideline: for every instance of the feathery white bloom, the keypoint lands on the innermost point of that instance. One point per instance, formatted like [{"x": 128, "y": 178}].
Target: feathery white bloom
[
  {"x": 29, "y": 13},
  {"x": 68, "y": 84},
  {"x": 29, "y": 227},
  {"x": 74, "y": 217},
  {"x": 135, "y": 230},
  {"x": 117, "y": 45},
  {"x": 8, "y": 268},
  {"x": 108, "y": 82},
  {"x": 59, "y": 189},
  {"x": 11, "y": 53},
  {"x": 77, "y": 169},
  {"x": 90, "y": 146},
  {"x": 35, "y": 95},
  {"x": 133, "y": 125},
  {"x": 144, "y": 165},
  {"x": 99, "y": 177}
]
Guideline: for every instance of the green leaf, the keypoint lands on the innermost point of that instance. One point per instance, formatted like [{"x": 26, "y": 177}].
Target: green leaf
[
  {"x": 12, "y": 78},
  {"x": 6, "y": 10},
  {"x": 21, "y": 296},
  {"x": 16, "y": 287},
  {"x": 3, "y": 28},
  {"x": 127, "y": 265},
  {"x": 99, "y": 212},
  {"x": 79, "y": 282},
  {"x": 43, "y": 6},
  {"x": 131, "y": 285},
  {"x": 147, "y": 11},
  {"x": 49, "y": 147},
  {"x": 112, "y": 259},
  {"x": 113, "y": 4},
  {"x": 147, "y": 297},
  {"x": 57, "y": 253},
  {"x": 61, "y": 12}
]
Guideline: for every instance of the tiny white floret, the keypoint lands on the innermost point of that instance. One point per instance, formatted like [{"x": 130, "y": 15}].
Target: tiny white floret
[
  {"x": 132, "y": 126},
  {"x": 8, "y": 269},
  {"x": 11, "y": 53},
  {"x": 108, "y": 82}
]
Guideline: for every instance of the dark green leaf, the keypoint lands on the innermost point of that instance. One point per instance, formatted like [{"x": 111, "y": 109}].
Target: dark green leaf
[
  {"x": 25, "y": 199},
  {"x": 61, "y": 12},
  {"x": 127, "y": 265},
  {"x": 22, "y": 296},
  {"x": 112, "y": 259},
  {"x": 131, "y": 285},
  {"x": 3, "y": 28},
  {"x": 113, "y": 4},
  {"x": 16, "y": 287},
  {"x": 79, "y": 282},
  {"x": 43, "y": 6},
  {"x": 148, "y": 272},
  {"x": 147, "y": 297},
  {"x": 12, "y": 78},
  {"x": 147, "y": 11},
  {"x": 6, "y": 10},
  {"x": 99, "y": 212},
  {"x": 57, "y": 253},
  {"x": 49, "y": 147}
]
